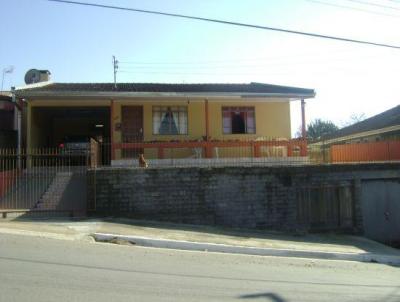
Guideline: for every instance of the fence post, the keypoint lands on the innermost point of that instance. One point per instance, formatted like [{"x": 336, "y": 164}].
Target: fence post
[
  {"x": 290, "y": 149},
  {"x": 209, "y": 150},
  {"x": 160, "y": 153},
  {"x": 303, "y": 147},
  {"x": 256, "y": 149}
]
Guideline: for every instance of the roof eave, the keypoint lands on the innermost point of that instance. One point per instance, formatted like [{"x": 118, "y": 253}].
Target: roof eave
[
  {"x": 358, "y": 135},
  {"x": 115, "y": 94}
]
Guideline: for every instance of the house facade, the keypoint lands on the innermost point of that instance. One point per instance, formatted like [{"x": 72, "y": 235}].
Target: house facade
[{"x": 143, "y": 114}]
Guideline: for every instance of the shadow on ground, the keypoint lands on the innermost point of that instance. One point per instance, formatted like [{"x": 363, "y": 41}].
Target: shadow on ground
[{"x": 266, "y": 296}]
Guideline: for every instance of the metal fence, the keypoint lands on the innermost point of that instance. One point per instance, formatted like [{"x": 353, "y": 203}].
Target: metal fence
[
  {"x": 259, "y": 151},
  {"x": 54, "y": 179},
  {"x": 212, "y": 152},
  {"x": 42, "y": 180}
]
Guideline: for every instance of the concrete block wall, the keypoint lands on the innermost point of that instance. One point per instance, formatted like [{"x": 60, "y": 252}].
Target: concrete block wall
[{"x": 243, "y": 197}]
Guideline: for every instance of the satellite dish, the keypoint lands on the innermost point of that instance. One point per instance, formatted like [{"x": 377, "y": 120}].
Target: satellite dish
[{"x": 32, "y": 76}]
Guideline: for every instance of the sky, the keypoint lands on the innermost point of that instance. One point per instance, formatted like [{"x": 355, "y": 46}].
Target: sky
[{"x": 77, "y": 43}]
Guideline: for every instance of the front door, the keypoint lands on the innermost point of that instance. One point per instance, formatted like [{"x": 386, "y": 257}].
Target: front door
[{"x": 132, "y": 129}]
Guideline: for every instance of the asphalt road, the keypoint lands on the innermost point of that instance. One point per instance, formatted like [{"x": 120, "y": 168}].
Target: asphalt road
[{"x": 39, "y": 269}]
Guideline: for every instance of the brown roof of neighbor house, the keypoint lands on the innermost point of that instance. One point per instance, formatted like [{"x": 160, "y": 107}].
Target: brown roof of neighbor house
[
  {"x": 251, "y": 88},
  {"x": 385, "y": 119}
]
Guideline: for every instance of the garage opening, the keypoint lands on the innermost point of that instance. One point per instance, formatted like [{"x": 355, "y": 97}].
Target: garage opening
[{"x": 57, "y": 127}]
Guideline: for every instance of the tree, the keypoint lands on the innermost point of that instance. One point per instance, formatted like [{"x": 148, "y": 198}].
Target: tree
[
  {"x": 354, "y": 118},
  {"x": 319, "y": 128}
]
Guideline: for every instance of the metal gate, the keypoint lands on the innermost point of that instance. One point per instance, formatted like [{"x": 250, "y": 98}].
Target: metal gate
[
  {"x": 381, "y": 210},
  {"x": 50, "y": 180}
]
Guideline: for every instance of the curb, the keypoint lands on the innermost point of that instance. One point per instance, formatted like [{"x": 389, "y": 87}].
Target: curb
[
  {"x": 49, "y": 235},
  {"x": 244, "y": 250}
]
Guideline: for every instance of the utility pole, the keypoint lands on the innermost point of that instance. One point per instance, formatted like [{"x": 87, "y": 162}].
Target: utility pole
[{"x": 115, "y": 66}]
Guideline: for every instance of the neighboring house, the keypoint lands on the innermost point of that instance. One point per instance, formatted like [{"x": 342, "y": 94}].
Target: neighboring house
[
  {"x": 383, "y": 126},
  {"x": 8, "y": 135},
  {"x": 374, "y": 139},
  {"x": 130, "y": 113}
]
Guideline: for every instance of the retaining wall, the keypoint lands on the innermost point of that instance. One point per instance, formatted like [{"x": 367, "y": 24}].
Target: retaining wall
[{"x": 306, "y": 198}]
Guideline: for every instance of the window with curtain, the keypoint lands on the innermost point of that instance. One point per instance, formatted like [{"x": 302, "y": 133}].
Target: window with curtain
[
  {"x": 238, "y": 120},
  {"x": 169, "y": 120}
]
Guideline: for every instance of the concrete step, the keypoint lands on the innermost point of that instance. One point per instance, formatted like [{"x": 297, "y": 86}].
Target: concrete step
[{"x": 53, "y": 195}]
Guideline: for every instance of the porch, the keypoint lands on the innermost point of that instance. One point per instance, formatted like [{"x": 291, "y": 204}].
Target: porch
[
  {"x": 211, "y": 153},
  {"x": 205, "y": 132}
]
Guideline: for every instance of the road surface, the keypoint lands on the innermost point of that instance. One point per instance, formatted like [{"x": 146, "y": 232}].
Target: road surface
[{"x": 40, "y": 269}]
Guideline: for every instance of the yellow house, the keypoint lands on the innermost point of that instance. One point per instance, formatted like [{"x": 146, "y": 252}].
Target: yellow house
[{"x": 149, "y": 118}]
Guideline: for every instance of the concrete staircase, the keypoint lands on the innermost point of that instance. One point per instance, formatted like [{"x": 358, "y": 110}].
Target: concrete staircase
[{"x": 51, "y": 198}]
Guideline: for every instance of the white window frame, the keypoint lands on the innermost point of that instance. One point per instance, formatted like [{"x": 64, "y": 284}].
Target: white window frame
[{"x": 180, "y": 115}]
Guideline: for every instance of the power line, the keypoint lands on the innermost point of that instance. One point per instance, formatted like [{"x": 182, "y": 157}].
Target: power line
[
  {"x": 256, "y": 63},
  {"x": 292, "y": 66},
  {"x": 253, "y": 59},
  {"x": 375, "y": 4},
  {"x": 212, "y": 62},
  {"x": 319, "y": 63},
  {"x": 346, "y": 7},
  {"x": 247, "y": 73},
  {"x": 309, "y": 57},
  {"x": 261, "y": 66},
  {"x": 230, "y": 23}
]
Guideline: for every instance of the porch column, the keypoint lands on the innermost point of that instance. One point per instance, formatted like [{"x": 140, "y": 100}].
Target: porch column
[
  {"x": 112, "y": 129},
  {"x": 303, "y": 147},
  {"x": 206, "y": 119},
  {"x": 208, "y": 149},
  {"x": 18, "y": 109}
]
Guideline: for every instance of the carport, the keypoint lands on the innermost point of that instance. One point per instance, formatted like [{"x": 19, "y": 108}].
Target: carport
[
  {"x": 49, "y": 126},
  {"x": 44, "y": 177}
]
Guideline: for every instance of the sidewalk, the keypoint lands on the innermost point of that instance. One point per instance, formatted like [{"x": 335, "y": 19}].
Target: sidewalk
[{"x": 187, "y": 237}]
